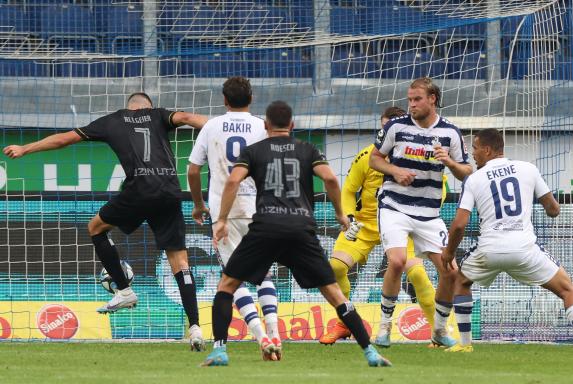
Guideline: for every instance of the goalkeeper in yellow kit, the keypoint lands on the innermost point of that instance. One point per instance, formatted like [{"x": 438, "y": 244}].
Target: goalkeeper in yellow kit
[{"x": 360, "y": 203}]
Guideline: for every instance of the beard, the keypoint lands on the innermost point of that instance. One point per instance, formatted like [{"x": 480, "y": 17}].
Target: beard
[{"x": 420, "y": 115}]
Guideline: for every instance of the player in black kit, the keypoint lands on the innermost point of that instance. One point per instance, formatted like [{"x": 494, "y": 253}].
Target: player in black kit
[
  {"x": 283, "y": 229},
  {"x": 151, "y": 192}
]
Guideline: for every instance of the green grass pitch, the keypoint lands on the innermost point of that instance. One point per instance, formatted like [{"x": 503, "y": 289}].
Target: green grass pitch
[{"x": 302, "y": 363}]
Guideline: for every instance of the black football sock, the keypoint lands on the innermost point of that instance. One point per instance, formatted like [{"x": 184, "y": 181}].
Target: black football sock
[
  {"x": 353, "y": 321},
  {"x": 109, "y": 257},
  {"x": 222, "y": 316},
  {"x": 188, "y": 292}
]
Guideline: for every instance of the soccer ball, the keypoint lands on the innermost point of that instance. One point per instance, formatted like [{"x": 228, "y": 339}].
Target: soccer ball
[{"x": 106, "y": 281}]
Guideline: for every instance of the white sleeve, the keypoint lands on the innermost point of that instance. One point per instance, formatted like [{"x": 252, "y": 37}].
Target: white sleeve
[
  {"x": 467, "y": 198},
  {"x": 198, "y": 154},
  {"x": 541, "y": 187},
  {"x": 458, "y": 151},
  {"x": 385, "y": 139}
]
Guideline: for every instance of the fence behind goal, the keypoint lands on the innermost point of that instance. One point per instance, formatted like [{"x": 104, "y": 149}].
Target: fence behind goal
[{"x": 339, "y": 63}]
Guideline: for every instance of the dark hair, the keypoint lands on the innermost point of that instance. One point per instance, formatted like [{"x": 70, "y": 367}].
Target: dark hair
[
  {"x": 392, "y": 112},
  {"x": 139, "y": 94},
  {"x": 492, "y": 138},
  {"x": 279, "y": 114},
  {"x": 238, "y": 91},
  {"x": 431, "y": 88}
]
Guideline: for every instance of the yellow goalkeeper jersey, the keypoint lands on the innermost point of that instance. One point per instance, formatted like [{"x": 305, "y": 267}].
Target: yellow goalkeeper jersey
[{"x": 359, "y": 193}]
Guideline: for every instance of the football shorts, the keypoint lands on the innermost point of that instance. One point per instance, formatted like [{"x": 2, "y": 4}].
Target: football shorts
[
  {"x": 533, "y": 267},
  {"x": 238, "y": 228},
  {"x": 428, "y": 236}
]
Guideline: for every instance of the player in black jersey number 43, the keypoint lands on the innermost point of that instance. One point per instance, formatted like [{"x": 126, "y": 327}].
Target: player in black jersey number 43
[
  {"x": 151, "y": 192},
  {"x": 283, "y": 229}
]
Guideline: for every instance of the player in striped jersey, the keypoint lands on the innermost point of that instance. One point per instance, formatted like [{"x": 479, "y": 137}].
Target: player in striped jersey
[
  {"x": 502, "y": 191},
  {"x": 219, "y": 143},
  {"x": 418, "y": 147},
  {"x": 354, "y": 245}
]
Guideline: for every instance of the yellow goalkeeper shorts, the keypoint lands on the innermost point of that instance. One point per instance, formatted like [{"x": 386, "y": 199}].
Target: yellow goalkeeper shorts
[{"x": 359, "y": 249}]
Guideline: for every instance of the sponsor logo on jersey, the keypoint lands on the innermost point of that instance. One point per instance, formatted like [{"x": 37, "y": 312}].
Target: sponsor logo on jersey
[
  {"x": 380, "y": 137},
  {"x": 418, "y": 153},
  {"x": 57, "y": 321},
  {"x": 413, "y": 325}
]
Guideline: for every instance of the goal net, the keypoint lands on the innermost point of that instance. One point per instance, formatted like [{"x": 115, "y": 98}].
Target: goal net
[{"x": 500, "y": 63}]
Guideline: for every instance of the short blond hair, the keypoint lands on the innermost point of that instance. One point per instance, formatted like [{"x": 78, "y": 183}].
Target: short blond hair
[{"x": 428, "y": 85}]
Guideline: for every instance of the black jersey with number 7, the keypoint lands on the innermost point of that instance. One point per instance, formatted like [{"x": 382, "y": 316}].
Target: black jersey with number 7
[{"x": 140, "y": 140}]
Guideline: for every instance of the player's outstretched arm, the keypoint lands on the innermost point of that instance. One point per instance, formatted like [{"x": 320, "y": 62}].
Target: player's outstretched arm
[
  {"x": 238, "y": 174},
  {"x": 194, "y": 120},
  {"x": 455, "y": 236},
  {"x": 333, "y": 191},
  {"x": 59, "y": 140},
  {"x": 550, "y": 205},
  {"x": 200, "y": 211},
  {"x": 379, "y": 163}
]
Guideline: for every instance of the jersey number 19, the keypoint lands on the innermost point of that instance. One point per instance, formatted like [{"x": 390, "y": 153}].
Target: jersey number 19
[{"x": 510, "y": 200}]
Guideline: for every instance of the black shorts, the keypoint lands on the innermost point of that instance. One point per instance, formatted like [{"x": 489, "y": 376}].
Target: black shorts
[
  {"x": 299, "y": 251},
  {"x": 165, "y": 218}
]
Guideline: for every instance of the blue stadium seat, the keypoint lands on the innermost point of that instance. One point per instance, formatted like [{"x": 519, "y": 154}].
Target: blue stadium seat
[
  {"x": 14, "y": 18},
  {"x": 349, "y": 62},
  {"x": 466, "y": 59},
  {"x": 78, "y": 69},
  {"x": 124, "y": 68},
  {"x": 212, "y": 65},
  {"x": 278, "y": 63},
  {"x": 419, "y": 63},
  {"x": 122, "y": 27},
  {"x": 303, "y": 17},
  {"x": 9, "y": 67},
  {"x": 69, "y": 26},
  {"x": 198, "y": 21},
  {"x": 345, "y": 20}
]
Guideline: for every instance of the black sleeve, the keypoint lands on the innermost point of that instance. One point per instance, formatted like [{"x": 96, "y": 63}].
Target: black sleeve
[
  {"x": 96, "y": 131},
  {"x": 317, "y": 157},
  {"x": 167, "y": 118},
  {"x": 244, "y": 159}
]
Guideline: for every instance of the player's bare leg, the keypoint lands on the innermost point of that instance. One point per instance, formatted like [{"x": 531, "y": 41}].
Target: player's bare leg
[
  {"x": 347, "y": 313},
  {"x": 390, "y": 290},
  {"x": 561, "y": 285},
  {"x": 341, "y": 263},
  {"x": 444, "y": 302}
]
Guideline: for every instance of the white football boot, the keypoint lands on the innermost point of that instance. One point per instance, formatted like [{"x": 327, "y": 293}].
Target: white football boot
[
  {"x": 196, "y": 338},
  {"x": 124, "y": 298}
]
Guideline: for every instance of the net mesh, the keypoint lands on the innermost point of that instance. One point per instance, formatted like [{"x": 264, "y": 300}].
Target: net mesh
[{"x": 503, "y": 64}]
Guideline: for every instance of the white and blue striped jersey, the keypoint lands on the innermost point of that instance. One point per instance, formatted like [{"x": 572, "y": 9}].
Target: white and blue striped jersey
[
  {"x": 502, "y": 192},
  {"x": 219, "y": 143},
  {"x": 410, "y": 146}
]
